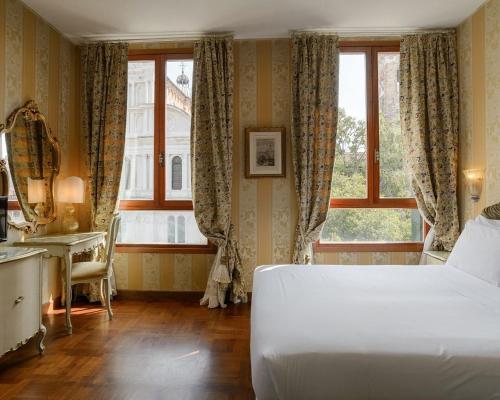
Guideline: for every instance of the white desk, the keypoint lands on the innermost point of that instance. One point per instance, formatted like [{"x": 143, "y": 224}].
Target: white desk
[{"x": 65, "y": 246}]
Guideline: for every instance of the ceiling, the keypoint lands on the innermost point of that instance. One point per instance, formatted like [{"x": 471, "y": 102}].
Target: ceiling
[{"x": 157, "y": 19}]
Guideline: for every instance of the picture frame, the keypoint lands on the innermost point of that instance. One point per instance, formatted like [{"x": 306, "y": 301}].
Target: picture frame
[{"x": 265, "y": 152}]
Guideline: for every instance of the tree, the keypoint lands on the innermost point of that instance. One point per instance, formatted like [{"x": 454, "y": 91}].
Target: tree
[{"x": 350, "y": 181}]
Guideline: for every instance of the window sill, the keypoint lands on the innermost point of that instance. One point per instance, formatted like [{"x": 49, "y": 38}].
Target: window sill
[
  {"x": 368, "y": 247},
  {"x": 166, "y": 248}
]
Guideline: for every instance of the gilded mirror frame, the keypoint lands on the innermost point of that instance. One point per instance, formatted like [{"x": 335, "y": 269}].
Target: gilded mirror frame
[{"x": 31, "y": 112}]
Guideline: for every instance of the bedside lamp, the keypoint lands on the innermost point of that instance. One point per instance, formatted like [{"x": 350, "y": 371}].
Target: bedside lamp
[
  {"x": 70, "y": 190},
  {"x": 474, "y": 178},
  {"x": 36, "y": 195}
]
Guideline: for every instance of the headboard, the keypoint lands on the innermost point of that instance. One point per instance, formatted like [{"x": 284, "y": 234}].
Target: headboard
[{"x": 492, "y": 212}]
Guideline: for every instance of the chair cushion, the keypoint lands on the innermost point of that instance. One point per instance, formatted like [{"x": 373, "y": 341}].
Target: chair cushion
[{"x": 88, "y": 270}]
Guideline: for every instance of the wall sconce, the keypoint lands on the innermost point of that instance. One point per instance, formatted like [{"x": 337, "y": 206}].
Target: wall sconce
[
  {"x": 474, "y": 178},
  {"x": 70, "y": 190},
  {"x": 37, "y": 195}
]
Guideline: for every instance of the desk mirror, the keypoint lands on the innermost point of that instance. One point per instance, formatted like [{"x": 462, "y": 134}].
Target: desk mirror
[{"x": 33, "y": 163}]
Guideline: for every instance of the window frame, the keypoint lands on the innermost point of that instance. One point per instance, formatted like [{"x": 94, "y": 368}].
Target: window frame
[
  {"x": 373, "y": 199},
  {"x": 160, "y": 168}
]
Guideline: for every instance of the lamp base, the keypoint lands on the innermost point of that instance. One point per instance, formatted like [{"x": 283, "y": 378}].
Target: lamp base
[{"x": 70, "y": 224}]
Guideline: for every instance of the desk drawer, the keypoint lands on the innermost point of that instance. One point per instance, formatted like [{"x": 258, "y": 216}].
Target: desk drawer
[{"x": 19, "y": 301}]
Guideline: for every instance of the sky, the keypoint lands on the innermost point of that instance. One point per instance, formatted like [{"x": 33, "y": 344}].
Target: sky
[
  {"x": 352, "y": 85},
  {"x": 352, "y": 81},
  {"x": 174, "y": 70}
]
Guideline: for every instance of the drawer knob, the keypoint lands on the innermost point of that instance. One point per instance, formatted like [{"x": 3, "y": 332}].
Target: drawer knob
[{"x": 19, "y": 299}]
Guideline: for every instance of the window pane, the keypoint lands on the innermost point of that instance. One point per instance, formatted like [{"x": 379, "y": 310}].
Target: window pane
[
  {"x": 394, "y": 181},
  {"x": 3, "y": 155},
  {"x": 349, "y": 172},
  {"x": 138, "y": 168},
  {"x": 372, "y": 225},
  {"x": 179, "y": 76},
  {"x": 159, "y": 227}
]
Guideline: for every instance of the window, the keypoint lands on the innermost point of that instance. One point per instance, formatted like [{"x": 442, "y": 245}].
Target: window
[
  {"x": 13, "y": 205},
  {"x": 155, "y": 192},
  {"x": 372, "y": 205},
  {"x": 176, "y": 173}
]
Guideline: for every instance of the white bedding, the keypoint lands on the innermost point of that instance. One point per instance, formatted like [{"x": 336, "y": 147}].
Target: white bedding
[{"x": 374, "y": 332}]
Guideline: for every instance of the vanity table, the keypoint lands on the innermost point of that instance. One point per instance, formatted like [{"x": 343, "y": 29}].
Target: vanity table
[
  {"x": 20, "y": 297},
  {"x": 65, "y": 246}
]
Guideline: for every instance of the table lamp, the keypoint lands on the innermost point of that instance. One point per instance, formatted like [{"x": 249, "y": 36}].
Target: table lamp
[
  {"x": 36, "y": 195},
  {"x": 70, "y": 190}
]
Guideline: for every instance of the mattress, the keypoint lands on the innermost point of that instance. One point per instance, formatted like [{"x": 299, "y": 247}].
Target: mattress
[{"x": 374, "y": 332}]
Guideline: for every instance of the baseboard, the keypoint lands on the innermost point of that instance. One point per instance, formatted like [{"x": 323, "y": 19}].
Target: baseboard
[
  {"x": 138, "y": 295},
  {"x": 153, "y": 295}
]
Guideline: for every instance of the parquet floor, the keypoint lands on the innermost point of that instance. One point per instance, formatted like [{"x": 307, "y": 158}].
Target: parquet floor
[{"x": 153, "y": 349}]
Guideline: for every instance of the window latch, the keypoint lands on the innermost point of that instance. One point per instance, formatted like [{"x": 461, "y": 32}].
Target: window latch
[
  {"x": 377, "y": 156},
  {"x": 161, "y": 159}
]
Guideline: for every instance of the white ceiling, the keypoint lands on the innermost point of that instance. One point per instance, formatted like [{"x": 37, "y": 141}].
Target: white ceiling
[{"x": 155, "y": 19}]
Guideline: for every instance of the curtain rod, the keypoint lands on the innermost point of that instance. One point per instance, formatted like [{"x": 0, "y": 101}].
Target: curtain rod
[
  {"x": 373, "y": 32},
  {"x": 190, "y": 36}
]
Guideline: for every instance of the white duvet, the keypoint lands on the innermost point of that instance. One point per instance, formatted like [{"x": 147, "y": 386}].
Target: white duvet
[{"x": 374, "y": 332}]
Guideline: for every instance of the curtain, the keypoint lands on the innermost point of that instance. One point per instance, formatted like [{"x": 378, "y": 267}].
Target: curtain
[
  {"x": 429, "y": 122},
  {"x": 104, "y": 110},
  {"x": 211, "y": 163},
  {"x": 104, "y": 68},
  {"x": 315, "y": 60}
]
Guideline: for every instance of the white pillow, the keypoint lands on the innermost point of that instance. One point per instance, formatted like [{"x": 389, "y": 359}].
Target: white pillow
[
  {"x": 477, "y": 252},
  {"x": 493, "y": 223}
]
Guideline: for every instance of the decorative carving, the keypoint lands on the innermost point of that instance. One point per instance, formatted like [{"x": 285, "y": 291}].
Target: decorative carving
[
  {"x": 41, "y": 158},
  {"x": 492, "y": 212},
  {"x": 39, "y": 339}
]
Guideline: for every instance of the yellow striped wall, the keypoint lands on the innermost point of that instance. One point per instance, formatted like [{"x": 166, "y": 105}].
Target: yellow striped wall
[
  {"x": 264, "y": 209},
  {"x": 479, "y": 60},
  {"x": 37, "y": 62}
]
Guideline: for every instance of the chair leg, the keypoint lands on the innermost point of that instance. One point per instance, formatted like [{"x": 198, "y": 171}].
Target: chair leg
[
  {"x": 101, "y": 293},
  {"x": 108, "y": 298}
]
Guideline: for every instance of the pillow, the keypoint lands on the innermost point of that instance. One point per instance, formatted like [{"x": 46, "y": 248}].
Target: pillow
[
  {"x": 477, "y": 252},
  {"x": 493, "y": 223}
]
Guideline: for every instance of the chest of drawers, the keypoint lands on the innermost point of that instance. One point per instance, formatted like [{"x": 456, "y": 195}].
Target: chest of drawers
[{"x": 20, "y": 297}]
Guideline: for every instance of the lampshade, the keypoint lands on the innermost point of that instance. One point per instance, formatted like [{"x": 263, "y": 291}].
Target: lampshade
[
  {"x": 36, "y": 191},
  {"x": 71, "y": 190},
  {"x": 474, "y": 178}
]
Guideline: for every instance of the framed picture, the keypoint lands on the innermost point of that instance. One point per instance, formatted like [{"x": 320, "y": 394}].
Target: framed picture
[{"x": 265, "y": 150}]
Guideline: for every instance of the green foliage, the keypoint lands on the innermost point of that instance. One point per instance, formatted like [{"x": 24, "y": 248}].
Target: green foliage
[{"x": 350, "y": 181}]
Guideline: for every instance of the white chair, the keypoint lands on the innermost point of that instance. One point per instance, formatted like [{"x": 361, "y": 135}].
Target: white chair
[{"x": 91, "y": 271}]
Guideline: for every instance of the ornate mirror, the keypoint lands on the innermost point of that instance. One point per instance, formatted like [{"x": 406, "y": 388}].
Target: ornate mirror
[{"x": 33, "y": 162}]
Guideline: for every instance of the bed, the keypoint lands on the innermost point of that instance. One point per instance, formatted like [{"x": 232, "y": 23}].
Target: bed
[{"x": 374, "y": 332}]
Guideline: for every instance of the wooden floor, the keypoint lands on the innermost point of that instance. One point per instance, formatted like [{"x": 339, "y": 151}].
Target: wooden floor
[{"x": 153, "y": 349}]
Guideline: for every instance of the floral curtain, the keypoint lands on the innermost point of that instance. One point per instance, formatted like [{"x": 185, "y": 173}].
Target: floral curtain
[
  {"x": 211, "y": 163},
  {"x": 429, "y": 122},
  {"x": 104, "y": 109},
  {"x": 315, "y": 60},
  {"x": 104, "y": 68}
]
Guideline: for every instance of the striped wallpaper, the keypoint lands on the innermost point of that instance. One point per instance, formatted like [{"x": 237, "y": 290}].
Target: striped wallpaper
[
  {"x": 479, "y": 57},
  {"x": 37, "y": 62}
]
